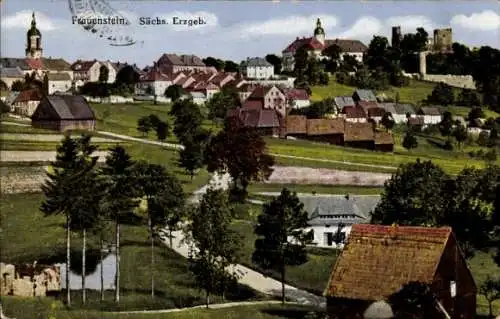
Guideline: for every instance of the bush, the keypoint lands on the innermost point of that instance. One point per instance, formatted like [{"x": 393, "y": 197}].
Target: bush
[
  {"x": 490, "y": 156},
  {"x": 448, "y": 145},
  {"x": 343, "y": 78},
  {"x": 482, "y": 139}
]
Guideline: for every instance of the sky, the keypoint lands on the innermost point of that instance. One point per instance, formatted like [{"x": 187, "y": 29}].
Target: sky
[{"x": 238, "y": 29}]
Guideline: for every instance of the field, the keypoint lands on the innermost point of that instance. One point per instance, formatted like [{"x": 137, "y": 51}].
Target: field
[
  {"x": 122, "y": 118},
  {"x": 43, "y": 239},
  {"x": 414, "y": 93},
  {"x": 25, "y": 309},
  {"x": 319, "y": 189},
  {"x": 451, "y": 162}
]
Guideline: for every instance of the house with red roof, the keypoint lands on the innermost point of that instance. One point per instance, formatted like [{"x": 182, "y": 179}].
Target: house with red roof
[
  {"x": 267, "y": 97},
  {"x": 317, "y": 43},
  {"x": 27, "y": 101},
  {"x": 297, "y": 98},
  {"x": 153, "y": 82},
  {"x": 85, "y": 71},
  {"x": 354, "y": 114}
]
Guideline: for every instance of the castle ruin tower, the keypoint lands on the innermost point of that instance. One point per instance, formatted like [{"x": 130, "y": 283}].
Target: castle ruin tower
[
  {"x": 319, "y": 32},
  {"x": 34, "y": 41},
  {"x": 396, "y": 37}
]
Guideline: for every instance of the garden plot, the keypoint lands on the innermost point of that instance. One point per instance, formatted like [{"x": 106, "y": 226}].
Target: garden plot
[{"x": 306, "y": 175}]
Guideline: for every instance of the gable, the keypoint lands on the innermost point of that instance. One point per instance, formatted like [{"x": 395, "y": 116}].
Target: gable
[{"x": 45, "y": 111}]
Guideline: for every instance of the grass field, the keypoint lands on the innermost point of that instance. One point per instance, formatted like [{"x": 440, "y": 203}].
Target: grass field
[
  {"x": 464, "y": 112},
  {"x": 122, "y": 118},
  {"x": 28, "y": 236},
  {"x": 451, "y": 162},
  {"x": 319, "y": 189},
  {"x": 414, "y": 93},
  {"x": 40, "y": 308}
]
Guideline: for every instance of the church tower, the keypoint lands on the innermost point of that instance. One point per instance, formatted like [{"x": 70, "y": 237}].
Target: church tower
[
  {"x": 319, "y": 33},
  {"x": 34, "y": 41}
]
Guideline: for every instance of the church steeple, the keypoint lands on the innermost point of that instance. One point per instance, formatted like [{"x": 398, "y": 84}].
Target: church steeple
[
  {"x": 34, "y": 41},
  {"x": 319, "y": 32}
]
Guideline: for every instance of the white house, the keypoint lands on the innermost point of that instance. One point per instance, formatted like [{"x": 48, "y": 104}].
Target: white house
[
  {"x": 153, "y": 83},
  {"x": 10, "y": 75},
  {"x": 112, "y": 71},
  {"x": 399, "y": 112},
  {"x": 329, "y": 214},
  {"x": 58, "y": 82},
  {"x": 86, "y": 71},
  {"x": 198, "y": 98},
  {"x": 431, "y": 115},
  {"x": 256, "y": 68},
  {"x": 297, "y": 98}
]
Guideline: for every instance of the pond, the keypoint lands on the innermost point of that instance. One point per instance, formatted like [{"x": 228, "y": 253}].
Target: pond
[{"x": 93, "y": 279}]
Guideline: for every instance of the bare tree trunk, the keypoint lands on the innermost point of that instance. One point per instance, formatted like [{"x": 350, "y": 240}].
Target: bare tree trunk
[
  {"x": 283, "y": 284},
  {"x": 102, "y": 270},
  {"x": 170, "y": 237},
  {"x": 117, "y": 264},
  {"x": 68, "y": 259},
  {"x": 207, "y": 300},
  {"x": 152, "y": 259},
  {"x": 83, "y": 265}
]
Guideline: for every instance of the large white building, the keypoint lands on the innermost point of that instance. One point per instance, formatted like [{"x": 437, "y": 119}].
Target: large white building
[
  {"x": 256, "y": 68},
  {"x": 317, "y": 43}
]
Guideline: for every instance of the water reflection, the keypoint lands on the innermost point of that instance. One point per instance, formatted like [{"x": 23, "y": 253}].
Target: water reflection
[{"x": 93, "y": 280}]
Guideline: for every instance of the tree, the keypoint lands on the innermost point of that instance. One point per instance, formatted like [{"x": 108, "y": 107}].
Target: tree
[
  {"x": 154, "y": 120},
  {"x": 174, "y": 92},
  {"x": 446, "y": 125},
  {"x": 144, "y": 125},
  {"x": 214, "y": 245},
  {"x": 17, "y": 86},
  {"x": 164, "y": 196},
  {"x": 414, "y": 300},
  {"x": 221, "y": 102},
  {"x": 121, "y": 190},
  {"x": 333, "y": 52},
  {"x": 127, "y": 75},
  {"x": 281, "y": 240},
  {"x": 62, "y": 190},
  {"x": 460, "y": 133},
  {"x": 490, "y": 289},
  {"x": 275, "y": 61},
  {"x": 377, "y": 54},
  {"x": 230, "y": 66},
  {"x": 301, "y": 58},
  {"x": 486, "y": 74},
  {"x": 410, "y": 141},
  {"x": 475, "y": 113},
  {"x": 87, "y": 212},
  {"x": 442, "y": 94},
  {"x": 318, "y": 110},
  {"x": 216, "y": 63},
  {"x": 4, "y": 108},
  {"x": 493, "y": 137},
  {"x": 103, "y": 74},
  {"x": 468, "y": 97},
  {"x": 191, "y": 156},
  {"x": 387, "y": 121},
  {"x": 161, "y": 130},
  {"x": 242, "y": 153},
  {"x": 188, "y": 119}
]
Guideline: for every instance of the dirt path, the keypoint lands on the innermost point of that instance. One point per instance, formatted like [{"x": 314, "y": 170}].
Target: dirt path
[
  {"x": 37, "y": 156},
  {"x": 48, "y": 138}
]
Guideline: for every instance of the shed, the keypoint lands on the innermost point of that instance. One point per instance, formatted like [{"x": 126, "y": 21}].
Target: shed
[
  {"x": 359, "y": 135},
  {"x": 64, "y": 112}
]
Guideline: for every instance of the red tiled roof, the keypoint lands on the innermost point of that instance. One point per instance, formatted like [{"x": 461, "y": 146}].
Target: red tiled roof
[
  {"x": 311, "y": 42},
  {"x": 296, "y": 94},
  {"x": 36, "y": 64},
  {"x": 358, "y": 132},
  {"x": 352, "y": 112},
  {"x": 378, "y": 260},
  {"x": 260, "y": 92},
  {"x": 376, "y": 112},
  {"x": 154, "y": 76},
  {"x": 253, "y": 104},
  {"x": 29, "y": 95},
  {"x": 82, "y": 66},
  {"x": 257, "y": 118}
]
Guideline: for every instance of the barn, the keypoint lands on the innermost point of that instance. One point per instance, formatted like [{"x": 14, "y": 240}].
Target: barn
[{"x": 63, "y": 113}]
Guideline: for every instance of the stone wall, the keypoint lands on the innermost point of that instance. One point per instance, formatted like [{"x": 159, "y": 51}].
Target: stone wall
[
  {"x": 109, "y": 100},
  {"x": 460, "y": 81},
  {"x": 29, "y": 280}
]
